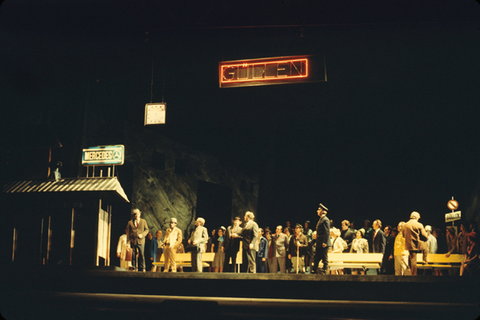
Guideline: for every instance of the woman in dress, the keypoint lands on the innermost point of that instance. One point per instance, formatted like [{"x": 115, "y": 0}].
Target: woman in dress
[
  {"x": 209, "y": 245},
  {"x": 122, "y": 246},
  {"x": 359, "y": 245},
  {"x": 156, "y": 250},
  {"x": 451, "y": 241},
  {"x": 462, "y": 242},
  {"x": 338, "y": 245},
  {"x": 452, "y": 246},
  {"x": 288, "y": 262},
  {"x": 217, "y": 247},
  {"x": 472, "y": 260}
]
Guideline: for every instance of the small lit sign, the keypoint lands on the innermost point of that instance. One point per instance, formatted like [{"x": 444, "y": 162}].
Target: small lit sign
[
  {"x": 453, "y": 216},
  {"x": 265, "y": 71},
  {"x": 103, "y": 156},
  {"x": 155, "y": 113}
]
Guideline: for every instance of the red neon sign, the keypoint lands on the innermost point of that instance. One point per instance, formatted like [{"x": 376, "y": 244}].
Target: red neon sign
[{"x": 263, "y": 71}]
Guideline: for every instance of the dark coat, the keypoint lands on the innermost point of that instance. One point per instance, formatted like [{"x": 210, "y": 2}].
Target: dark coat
[
  {"x": 348, "y": 235},
  {"x": 232, "y": 244},
  {"x": 323, "y": 231},
  {"x": 378, "y": 242},
  {"x": 293, "y": 245}
]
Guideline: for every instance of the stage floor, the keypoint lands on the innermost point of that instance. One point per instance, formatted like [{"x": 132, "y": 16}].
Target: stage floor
[{"x": 64, "y": 293}]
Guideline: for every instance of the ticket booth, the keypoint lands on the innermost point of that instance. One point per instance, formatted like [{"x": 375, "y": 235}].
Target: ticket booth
[{"x": 65, "y": 222}]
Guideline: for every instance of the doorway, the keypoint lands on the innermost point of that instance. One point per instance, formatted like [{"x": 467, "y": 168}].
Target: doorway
[{"x": 214, "y": 204}]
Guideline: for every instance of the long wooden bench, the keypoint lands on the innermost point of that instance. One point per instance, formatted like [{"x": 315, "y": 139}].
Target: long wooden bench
[
  {"x": 355, "y": 260},
  {"x": 440, "y": 261},
  {"x": 185, "y": 259}
]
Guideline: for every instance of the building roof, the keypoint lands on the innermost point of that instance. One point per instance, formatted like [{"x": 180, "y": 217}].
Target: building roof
[{"x": 104, "y": 184}]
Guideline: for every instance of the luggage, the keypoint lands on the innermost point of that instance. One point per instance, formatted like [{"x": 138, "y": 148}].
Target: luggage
[{"x": 128, "y": 254}]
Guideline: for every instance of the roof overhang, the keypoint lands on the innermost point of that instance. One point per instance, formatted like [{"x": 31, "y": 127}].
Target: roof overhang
[{"x": 68, "y": 185}]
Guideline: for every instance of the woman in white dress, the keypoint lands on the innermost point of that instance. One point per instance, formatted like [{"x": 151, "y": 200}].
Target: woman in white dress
[
  {"x": 338, "y": 245},
  {"x": 359, "y": 245},
  {"x": 122, "y": 246}
]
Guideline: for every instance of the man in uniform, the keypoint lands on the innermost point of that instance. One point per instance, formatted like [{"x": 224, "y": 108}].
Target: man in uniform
[{"x": 323, "y": 240}]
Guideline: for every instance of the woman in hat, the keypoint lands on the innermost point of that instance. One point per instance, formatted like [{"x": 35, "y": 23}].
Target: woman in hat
[
  {"x": 359, "y": 245},
  {"x": 217, "y": 247}
]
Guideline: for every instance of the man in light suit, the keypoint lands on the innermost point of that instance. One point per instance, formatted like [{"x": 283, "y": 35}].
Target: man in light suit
[
  {"x": 137, "y": 230},
  {"x": 250, "y": 238},
  {"x": 173, "y": 238},
  {"x": 323, "y": 240},
  {"x": 198, "y": 238},
  {"x": 279, "y": 252},
  {"x": 415, "y": 240}
]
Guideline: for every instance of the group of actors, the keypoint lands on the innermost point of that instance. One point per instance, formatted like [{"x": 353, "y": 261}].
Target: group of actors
[
  {"x": 301, "y": 250},
  {"x": 137, "y": 230}
]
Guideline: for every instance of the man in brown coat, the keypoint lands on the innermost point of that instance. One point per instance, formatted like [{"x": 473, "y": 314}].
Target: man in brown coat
[
  {"x": 415, "y": 240},
  {"x": 137, "y": 230}
]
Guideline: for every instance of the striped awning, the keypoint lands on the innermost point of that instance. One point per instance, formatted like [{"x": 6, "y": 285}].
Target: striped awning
[{"x": 104, "y": 184}]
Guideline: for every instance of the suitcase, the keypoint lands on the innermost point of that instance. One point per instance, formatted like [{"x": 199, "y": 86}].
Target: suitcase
[{"x": 128, "y": 254}]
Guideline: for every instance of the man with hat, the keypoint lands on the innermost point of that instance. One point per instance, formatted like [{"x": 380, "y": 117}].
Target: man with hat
[
  {"x": 297, "y": 248},
  {"x": 231, "y": 244},
  {"x": 172, "y": 239},
  {"x": 198, "y": 238},
  {"x": 323, "y": 240}
]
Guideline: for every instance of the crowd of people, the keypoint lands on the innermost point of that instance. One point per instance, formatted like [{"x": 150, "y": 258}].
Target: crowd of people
[{"x": 299, "y": 248}]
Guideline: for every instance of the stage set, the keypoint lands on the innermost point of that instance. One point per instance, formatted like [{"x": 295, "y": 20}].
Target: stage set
[
  {"x": 58, "y": 262},
  {"x": 113, "y": 293}
]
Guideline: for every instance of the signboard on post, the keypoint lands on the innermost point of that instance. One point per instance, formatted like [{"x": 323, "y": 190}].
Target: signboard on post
[
  {"x": 453, "y": 216},
  {"x": 103, "y": 155}
]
